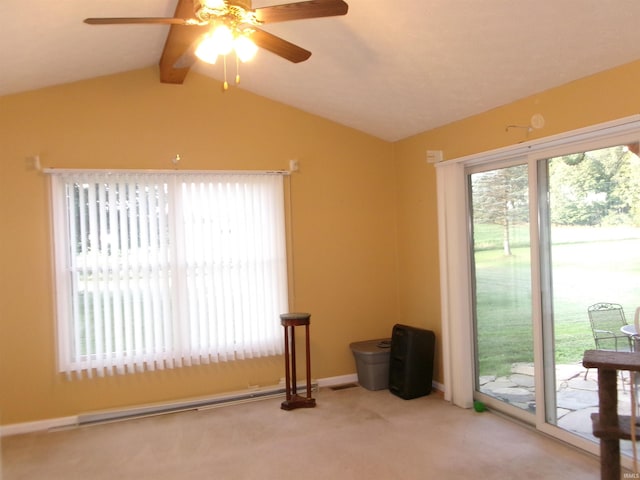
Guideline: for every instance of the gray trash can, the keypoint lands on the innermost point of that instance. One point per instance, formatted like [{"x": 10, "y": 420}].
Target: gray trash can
[{"x": 372, "y": 363}]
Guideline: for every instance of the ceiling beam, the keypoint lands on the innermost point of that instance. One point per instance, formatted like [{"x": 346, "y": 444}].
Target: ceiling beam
[{"x": 177, "y": 56}]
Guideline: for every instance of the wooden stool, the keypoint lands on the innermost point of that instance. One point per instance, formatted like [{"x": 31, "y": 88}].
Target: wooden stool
[{"x": 289, "y": 321}]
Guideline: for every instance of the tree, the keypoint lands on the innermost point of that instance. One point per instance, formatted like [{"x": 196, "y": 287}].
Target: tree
[
  {"x": 596, "y": 187},
  {"x": 501, "y": 197},
  {"x": 587, "y": 188}
]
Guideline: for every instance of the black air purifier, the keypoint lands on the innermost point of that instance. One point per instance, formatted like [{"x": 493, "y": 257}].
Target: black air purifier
[{"x": 411, "y": 361}]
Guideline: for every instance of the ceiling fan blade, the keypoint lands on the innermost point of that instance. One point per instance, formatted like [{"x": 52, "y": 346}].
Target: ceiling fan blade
[
  {"x": 279, "y": 46},
  {"x": 176, "y": 59},
  {"x": 301, "y": 10},
  {"x": 140, "y": 20},
  {"x": 188, "y": 58}
]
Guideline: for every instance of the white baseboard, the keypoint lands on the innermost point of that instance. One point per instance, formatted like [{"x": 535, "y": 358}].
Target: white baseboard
[
  {"x": 73, "y": 421},
  {"x": 353, "y": 378},
  {"x": 37, "y": 426},
  {"x": 438, "y": 386},
  {"x": 339, "y": 380}
]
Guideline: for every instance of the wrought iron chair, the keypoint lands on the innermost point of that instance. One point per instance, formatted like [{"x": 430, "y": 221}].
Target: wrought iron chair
[{"x": 606, "y": 320}]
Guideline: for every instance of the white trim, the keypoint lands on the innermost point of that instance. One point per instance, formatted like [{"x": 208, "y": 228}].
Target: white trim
[
  {"x": 444, "y": 280},
  {"x": 75, "y": 421},
  {"x": 149, "y": 409},
  {"x": 438, "y": 386},
  {"x": 457, "y": 338},
  {"x": 60, "y": 285},
  {"x": 38, "y": 426},
  {"x": 339, "y": 380},
  {"x": 602, "y": 130}
]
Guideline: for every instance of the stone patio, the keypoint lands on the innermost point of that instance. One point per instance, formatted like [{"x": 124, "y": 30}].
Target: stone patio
[{"x": 576, "y": 397}]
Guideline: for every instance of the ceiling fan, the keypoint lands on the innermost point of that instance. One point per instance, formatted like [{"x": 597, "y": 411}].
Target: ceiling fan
[{"x": 197, "y": 25}]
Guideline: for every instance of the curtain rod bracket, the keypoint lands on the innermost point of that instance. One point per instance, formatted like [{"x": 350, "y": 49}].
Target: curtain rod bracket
[{"x": 528, "y": 127}]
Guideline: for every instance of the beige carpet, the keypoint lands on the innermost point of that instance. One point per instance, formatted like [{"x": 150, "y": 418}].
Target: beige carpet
[{"x": 352, "y": 434}]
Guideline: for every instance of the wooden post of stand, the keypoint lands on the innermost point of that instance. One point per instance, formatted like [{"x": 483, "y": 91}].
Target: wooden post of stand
[
  {"x": 289, "y": 321},
  {"x": 608, "y": 402},
  {"x": 608, "y": 426}
]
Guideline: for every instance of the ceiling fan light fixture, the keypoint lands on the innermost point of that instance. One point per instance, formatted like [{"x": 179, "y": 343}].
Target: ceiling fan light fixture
[
  {"x": 207, "y": 50},
  {"x": 245, "y": 48},
  {"x": 223, "y": 39},
  {"x": 232, "y": 25},
  {"x": 235, "y": 12},
  {"x": 218, "y": 42}
]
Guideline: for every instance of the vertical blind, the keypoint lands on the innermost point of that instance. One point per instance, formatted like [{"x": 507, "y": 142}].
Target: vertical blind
[{"x": 163, "y": 270}]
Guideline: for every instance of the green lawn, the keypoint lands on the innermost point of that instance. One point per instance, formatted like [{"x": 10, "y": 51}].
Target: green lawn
[{"x": 587, "y": 269}]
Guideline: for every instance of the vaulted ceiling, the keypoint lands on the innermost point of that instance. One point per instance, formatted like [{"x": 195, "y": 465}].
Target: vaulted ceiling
[{"x": 391, "y": 69}]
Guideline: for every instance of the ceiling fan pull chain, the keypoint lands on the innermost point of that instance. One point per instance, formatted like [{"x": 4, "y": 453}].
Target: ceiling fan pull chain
[
  {"x": 225, "y": 85},
  {"x": 237, "y": 70}
]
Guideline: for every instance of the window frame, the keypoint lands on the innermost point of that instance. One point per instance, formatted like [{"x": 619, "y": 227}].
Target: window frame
[
  {"x": 456, "y": 265},
  {"x": 70, "y": 361}
]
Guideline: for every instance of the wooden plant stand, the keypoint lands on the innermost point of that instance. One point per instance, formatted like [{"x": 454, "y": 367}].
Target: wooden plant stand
[
  {"x": 608, "y": 426},
  {"x": 289, "y": 321}
]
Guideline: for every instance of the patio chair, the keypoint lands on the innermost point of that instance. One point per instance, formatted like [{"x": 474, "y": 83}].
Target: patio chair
[{"x": 606, "y": 320}]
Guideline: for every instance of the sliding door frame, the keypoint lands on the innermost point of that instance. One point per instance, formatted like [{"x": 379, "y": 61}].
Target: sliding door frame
[{"x": 456, "y": 264}]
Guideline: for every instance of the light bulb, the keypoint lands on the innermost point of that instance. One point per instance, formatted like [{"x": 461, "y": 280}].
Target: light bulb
[
  {"x": 245, "y": 48},
  {"x": 223, "y": 38},
  {"x": 207, "y": 51}
]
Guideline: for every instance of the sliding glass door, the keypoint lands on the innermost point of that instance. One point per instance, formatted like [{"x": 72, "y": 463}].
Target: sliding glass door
[
  {"x": 592, "y": 252},
  {"x": 499, "y": 204},
  {"x": 554, "y": 244}
]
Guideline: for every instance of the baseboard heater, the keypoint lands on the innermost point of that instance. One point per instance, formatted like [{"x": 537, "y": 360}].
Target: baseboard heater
[{"x": 226, "y": 399}]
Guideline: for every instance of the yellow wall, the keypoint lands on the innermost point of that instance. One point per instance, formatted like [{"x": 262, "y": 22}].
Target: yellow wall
[
  {"x": 603, "y": 97},
  {"x": 364, "y": 214},
  {"x": 343, "y": 225}
]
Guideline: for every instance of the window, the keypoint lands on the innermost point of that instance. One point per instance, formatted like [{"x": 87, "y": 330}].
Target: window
[{"x": 162, "y": 270}]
